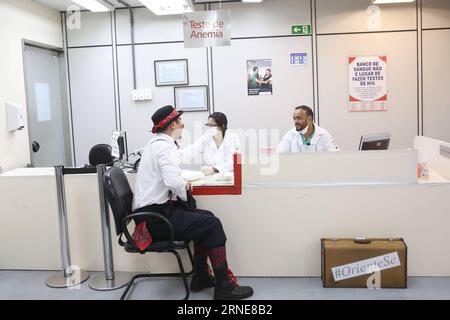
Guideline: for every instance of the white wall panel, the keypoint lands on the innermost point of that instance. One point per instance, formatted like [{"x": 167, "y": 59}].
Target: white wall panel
[
  {"x": 435, "y": 14},
  {"x": 136, "y": 116},
  {"x": 269, "y": 18},
  {"x": 92, "y": 93},
  {"x": 436, "y": 93},
  {"x": 95, "y": 29},
  {"x": 352, "y": 16},
  {"x": 149, "y": 27},
  {"x": 400, "y": 119},
  {"x": 292, "y": 85}
]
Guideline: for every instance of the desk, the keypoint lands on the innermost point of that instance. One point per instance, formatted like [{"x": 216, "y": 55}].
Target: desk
[{"x": 273, "y": 227}]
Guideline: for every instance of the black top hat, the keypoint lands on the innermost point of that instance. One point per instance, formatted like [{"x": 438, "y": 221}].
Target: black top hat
[{"x": 164, "y": 116}]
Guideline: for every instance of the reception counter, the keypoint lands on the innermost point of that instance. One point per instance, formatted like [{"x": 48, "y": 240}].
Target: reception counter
[{"x": 286, "y": 204}]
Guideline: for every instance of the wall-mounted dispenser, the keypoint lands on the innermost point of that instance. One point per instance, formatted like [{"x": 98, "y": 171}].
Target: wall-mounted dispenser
[{"x": 15, "y": 117}]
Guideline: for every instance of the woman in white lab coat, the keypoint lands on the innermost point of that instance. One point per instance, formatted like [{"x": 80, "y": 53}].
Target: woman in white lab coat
[{"x": 216, "y": 146}]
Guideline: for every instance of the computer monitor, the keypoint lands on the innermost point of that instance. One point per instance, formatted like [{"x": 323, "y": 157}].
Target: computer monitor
[
  {"x": 378, "y": 141},
  {"x": 119, "y": 144}
]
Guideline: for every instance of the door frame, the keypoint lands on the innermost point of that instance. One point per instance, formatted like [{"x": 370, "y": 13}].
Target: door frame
[{"x": 63, "y": 87}]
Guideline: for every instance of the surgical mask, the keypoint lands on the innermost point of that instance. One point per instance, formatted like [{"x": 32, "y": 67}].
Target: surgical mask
[
  {"x": 304, "y": 130},
  {"x": 212, "y": 131}
]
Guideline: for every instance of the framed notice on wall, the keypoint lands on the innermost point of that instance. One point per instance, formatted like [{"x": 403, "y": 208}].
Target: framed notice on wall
[
  {"x": 191, "y": 98},
  {"x": 367, "y": 83},
  {"x": 171, "y": 72}
]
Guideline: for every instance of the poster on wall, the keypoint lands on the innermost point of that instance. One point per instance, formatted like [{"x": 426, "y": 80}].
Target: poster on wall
[
  {"x": 367, "y": 85},
  {"x": 259, "y": 77}
]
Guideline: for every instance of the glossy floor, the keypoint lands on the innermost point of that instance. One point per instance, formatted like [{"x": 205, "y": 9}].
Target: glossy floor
[{"x": 30, "y": 285}]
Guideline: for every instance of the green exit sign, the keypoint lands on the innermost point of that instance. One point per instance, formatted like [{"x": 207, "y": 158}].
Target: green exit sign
[{"x": 301, "y": 29}]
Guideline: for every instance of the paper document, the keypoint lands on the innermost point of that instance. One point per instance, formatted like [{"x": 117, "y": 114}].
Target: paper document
[{"x": 190, "y": 175}]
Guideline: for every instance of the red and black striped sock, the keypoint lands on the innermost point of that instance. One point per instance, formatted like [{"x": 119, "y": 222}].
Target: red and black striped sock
[{"x": 217, "y": 256}]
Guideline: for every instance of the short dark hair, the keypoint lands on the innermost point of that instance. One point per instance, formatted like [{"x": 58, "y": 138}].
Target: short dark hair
[
  {"x": 308, "y": 110},
  {"x": 255, "y": 68}
]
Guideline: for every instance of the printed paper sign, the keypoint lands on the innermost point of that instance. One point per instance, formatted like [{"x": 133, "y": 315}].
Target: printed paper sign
[
  {"x": 207, "y": 29},
  {"x": 367, "y": 266},
  {"x": 115, "y": 152},
  {"x": 367, "y": 83},
  {"x": 298, "y": 58}
]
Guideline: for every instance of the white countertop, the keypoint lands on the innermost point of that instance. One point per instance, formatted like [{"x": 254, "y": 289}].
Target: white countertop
[
  {"x": 433, "y": 177},
  {"x": 29, "y": 172},
  {"x": 214, "y": 180}
]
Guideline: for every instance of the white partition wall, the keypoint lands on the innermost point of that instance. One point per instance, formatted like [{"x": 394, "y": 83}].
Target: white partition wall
[
  {"x": 345, "y": 16},
  {"x": 292, "y": 85},
  {"x": 435, "y": 14},
  {"x": 269, "y": 18},
  {"x": 356, "y": 28},
  {"x": 263, "y": 31},
  {"x": 91, "y": 79},
  {"x": 436, "y": 62},
  {"x": 136, "y": 115},
  {"x": 149, "y": 27},
  {"x": 436, "y": 93},
  {"x": 94, "y": 30},
  {"x": 92, "y": 96},
  {"x": 413, "y": 36},
  {"x": 401, "y": 117}
]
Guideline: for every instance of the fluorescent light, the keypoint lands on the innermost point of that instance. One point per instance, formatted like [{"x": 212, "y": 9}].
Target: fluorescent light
[
  {"x": 94, "y": 5},
  {"x": 252, "y": 0},
  {"x": 162, "y": 7},
  {"x": 390, "y": 1}
]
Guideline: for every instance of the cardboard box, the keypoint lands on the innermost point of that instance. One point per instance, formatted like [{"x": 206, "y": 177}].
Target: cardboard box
[{"x": 349, "y": 263}]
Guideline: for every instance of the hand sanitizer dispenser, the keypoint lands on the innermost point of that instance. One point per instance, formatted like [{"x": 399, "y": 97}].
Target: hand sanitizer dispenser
[{"x": 14, "y": 117}]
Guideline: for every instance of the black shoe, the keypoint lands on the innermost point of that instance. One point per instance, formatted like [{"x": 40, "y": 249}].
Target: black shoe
[
  {"x": 230, "y": 290},
  {"x": 202, "y": 279},
  {"x": 199, "y": 283},
  {"x": 232, "y": 293}
]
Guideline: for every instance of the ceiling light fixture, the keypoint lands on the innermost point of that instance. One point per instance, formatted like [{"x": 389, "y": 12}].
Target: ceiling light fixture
[
  {"x": 165, "y": 7},
  {"x": 390, "y": 1},
  {"x": 94, "y": 5}
]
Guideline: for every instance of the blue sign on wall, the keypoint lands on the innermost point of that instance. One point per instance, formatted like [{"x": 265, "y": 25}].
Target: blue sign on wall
[{"x": 298, "y": 58}]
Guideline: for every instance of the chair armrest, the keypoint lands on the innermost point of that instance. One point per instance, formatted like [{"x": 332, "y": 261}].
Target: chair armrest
[{"x": 147, "y": 214}]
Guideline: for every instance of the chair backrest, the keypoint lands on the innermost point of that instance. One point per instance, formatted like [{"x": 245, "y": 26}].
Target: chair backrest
[
  {"x": 119, "y": 195},
  {"x": 100, "y": 154}
]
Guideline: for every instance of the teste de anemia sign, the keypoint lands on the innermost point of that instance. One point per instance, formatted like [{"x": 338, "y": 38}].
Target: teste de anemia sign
[
  {"x": 367, "y": 85},
  {"x": 206, "y": 29}
]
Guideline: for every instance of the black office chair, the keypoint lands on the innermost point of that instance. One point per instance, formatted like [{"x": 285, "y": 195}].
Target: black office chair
[
  {"x": 120, "y": 196},
  {"x": 101, "y": 154}
]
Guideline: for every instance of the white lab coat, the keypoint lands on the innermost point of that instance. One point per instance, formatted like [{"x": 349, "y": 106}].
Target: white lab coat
[
  {"x": 158, "y": 174},
  {"x": 205, "y": 150},
  {"x": 321, "y": 140}
]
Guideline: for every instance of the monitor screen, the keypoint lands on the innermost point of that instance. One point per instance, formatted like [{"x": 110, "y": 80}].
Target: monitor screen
[{"x": 375, "y": 142}]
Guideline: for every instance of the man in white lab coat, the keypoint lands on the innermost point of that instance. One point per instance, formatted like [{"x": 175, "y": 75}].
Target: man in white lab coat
[
  {"x": 306, "y": 136},
  {"x": 160, "y": 188}
]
